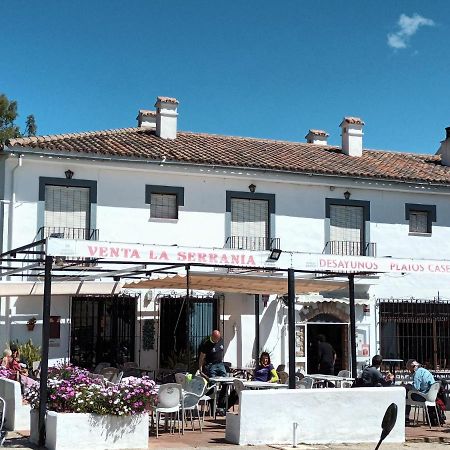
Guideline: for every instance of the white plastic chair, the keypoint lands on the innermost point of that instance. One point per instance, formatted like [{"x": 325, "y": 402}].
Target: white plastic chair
[
  {"x": 180, "y": 378},
  {"x": 169, "y": 402},
  {"x": 345, "y": 374},
  {"x": 2, "y": 420},
  {"x": 109, "y": 373},
  {"x": 210, "y": 398},
  {"x": 100, "y": 366},
  {"x": 422, "y": 400},
  {"x": 304, "y": 383},
  {"x": 194, "y": 390}
]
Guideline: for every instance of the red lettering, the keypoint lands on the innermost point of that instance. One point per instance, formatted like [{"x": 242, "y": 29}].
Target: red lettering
[
  {"x": 114, "y": 252},
  {"x": 103, "y": 252},
  {"x": 92, "y": 250},
  {"x": 251, "y": 261},
  {"x": 213, "y": 258},
  {"x": 202, "y": 257},
  {"x": 164, "y": 256},
  {"x": 135, "y": 254},
  {"x": 191, "y": 256},
  {"x": 181, "y": 256}
]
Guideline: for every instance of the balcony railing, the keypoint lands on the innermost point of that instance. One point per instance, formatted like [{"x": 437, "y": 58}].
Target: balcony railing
[
  {"x": 348, "y": 248},
  {"x": 69, "y": 233},
  {"x": 252, "y": 243}
]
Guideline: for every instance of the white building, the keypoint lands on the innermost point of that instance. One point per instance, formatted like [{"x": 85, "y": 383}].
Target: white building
[{"x": 156, "y": 185}]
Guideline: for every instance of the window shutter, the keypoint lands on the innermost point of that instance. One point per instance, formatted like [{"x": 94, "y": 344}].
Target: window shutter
[
  {"x": 418, "y": 222},
  {"x": 66, "y": 207},
  {"x": 163, "y": 206},
  {"x": 250, "y": 222}
]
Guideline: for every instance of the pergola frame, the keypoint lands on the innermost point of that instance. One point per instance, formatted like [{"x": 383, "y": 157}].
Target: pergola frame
[{"x": 41, "y": 263}]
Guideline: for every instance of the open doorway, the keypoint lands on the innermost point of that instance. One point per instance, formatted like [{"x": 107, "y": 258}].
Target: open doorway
[{"x": 336, "y": 334}]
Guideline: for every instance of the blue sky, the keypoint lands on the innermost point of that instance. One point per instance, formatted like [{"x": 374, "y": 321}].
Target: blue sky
[{"x": 245, "y": 68}]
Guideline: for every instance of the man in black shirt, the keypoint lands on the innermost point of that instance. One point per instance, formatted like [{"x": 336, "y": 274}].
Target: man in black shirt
[
  {"x": 210, "y": 361},
  {"x": 326, "y": 356},
  {"x": 373, "y": 377}
]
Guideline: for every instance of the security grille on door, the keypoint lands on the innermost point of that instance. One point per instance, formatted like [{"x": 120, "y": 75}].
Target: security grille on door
[
  {"x": 66, "y": 209},
  {"x": 250, "y": 223},
  {"x": 163, "y": 206},
  {"x": 347, "y": 229}
]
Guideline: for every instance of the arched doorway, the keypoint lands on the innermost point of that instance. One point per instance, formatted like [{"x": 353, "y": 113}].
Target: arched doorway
[{"x": 335, "y": 331}]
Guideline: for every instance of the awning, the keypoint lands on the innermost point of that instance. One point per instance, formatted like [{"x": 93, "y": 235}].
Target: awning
[
  {"x": 254, "y": 283},
  {"x": 310, "y": 299},
  {"x": 61, "y": 288}
]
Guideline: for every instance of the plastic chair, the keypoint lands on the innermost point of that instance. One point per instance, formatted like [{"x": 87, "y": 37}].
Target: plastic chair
[
  {"x": 109, "y": 373},
  {"x": 283, "y": 377},
  {"x": 304, "y": 383},
  {"x": 422, "y": 400},
  {"x": 100, "y": 366},
  {"x": 117, "y": 378},
  {"x": 2, "y": 420},
  {"x": 210, "y": 398},
  {"x": 130, "y": 369},
  {"x": 194, "y": 390},
  {"x": 180, "y": 378},
  {"x": 169, "y": 402},
  {"x": 344, "y": 373}
]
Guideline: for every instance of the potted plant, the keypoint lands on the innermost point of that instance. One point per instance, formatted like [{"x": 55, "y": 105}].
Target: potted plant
[
  {"x": 31, "y": 323},
  {"x": 105, "y": 415}
]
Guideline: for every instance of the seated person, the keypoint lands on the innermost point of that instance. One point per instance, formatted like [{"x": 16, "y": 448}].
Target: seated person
[
  {"x": 265, "y": 370},
  {"x": 19, "y": 369},
  {"x": 372, "y": 376},
  {"x": 422, "y": 380},
  {"x": 7, "y": 356}
]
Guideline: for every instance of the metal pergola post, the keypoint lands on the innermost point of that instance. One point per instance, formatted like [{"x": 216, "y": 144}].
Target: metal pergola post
[
  {"x": 351, "y": 292},
  {"x": 45, "y": 347},
  {"x": 291, "y": 326},
  {"x": 257, "y": 328}
]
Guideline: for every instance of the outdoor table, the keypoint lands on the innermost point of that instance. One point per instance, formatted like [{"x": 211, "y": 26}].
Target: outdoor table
[
  {"x": 392, "y": 363},
  {"x": 264, "y": 385},
  {"x": 330, "y": 378},
  {"x": 227, "y": 381}
]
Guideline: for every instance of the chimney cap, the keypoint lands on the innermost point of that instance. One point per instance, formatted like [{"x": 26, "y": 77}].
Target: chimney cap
[
  {"x": 167, "y": 100},
  {"x": 317, "y": 133},
  {"x": 353, "y": 121},
  {"x": 147, "y": 112}
]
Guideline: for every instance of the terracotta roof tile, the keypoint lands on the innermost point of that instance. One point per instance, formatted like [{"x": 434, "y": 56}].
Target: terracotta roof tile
[
  {"x": 354, "y": 120},
  {"x": 147, "y": 112},
  {"x": 167, "y": 100},
  {"x": 216, "y": 150},
  {"x": 319, "y": 132}
]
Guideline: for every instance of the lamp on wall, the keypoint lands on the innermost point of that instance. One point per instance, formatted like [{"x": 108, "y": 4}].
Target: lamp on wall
[
  {"x": 274, "y": 254},
  {"x": 347, "y": 195},
  {"x": 69, "y": 174},
  {"x": 252, "y": 188}
]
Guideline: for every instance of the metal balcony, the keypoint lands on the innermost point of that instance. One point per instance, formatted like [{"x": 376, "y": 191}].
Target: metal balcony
[
  {"x": 348, "y": 248},
  {"x": 252, "y": 243},
  {"x": 69, "y": 233}
]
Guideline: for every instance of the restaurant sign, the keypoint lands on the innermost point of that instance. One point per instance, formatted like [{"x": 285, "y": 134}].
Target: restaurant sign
[{"x": 114, "y": 251}]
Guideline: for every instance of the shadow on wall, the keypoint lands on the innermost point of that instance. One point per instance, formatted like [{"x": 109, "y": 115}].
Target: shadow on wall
[{"x": 266, "y": 324}]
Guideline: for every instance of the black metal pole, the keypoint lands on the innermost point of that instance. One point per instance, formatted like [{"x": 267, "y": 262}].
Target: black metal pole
[
  {"x": 351, "y": 291},
  {"x": 291, "y": 326},
  {"x": 256, "y": 328},
  {"x": 44, "y": 347}
]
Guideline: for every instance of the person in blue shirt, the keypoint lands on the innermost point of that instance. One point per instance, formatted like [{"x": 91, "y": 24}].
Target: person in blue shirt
[
  {"x": 422, "y": 380},
  {"x": 265, "y": 370}
]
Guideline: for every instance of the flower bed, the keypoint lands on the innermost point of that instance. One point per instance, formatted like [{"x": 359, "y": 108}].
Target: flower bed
[
  {"x": 72, "y": 389},
  {"x": 105, "y": 415}
]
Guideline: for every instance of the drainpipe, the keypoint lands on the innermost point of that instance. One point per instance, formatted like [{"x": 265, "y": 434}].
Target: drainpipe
[{"x": 12, "y": 202}]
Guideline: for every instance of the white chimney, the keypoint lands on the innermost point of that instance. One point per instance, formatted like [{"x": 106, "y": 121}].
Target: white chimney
[
  {"x": 444, "y": 149},
  {"x": 166, "y": 117},
  {"x": 146, "y": 119},
  {"x": 352, "y": 134},
  {"x": 318, "y": 137}
]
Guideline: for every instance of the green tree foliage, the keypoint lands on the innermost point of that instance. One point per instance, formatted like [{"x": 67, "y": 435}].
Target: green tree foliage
[
  {"x": 30, "y": 126},
  {"x": 8, "y": 114}
]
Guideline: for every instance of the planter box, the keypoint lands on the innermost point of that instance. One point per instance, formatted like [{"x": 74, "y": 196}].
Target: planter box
[
  {"x": 17, "y": 415},
  {"x": 67, "y": 430}
]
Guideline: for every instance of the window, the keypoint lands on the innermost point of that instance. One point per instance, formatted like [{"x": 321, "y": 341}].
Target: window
[
  {"x": 420, "y": 218},
  {"x": 250, "y": 223},
  {"x": 347, "y": 223},
  {"x": 164, "y": 201},
  {"x": 250, "y": 220},
  {"x": 67, "y": 207},
  {"x": 163, "y": 206}
]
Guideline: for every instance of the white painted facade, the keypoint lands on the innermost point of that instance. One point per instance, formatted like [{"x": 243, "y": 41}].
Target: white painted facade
[{"x": 121, "y": 215}]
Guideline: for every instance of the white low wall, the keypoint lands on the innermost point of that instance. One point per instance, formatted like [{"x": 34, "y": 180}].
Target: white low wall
[
  {"x": 17, "y": 415},
  {"x": 324, "y": 416},
  {"x": 92, "y": 431}
]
